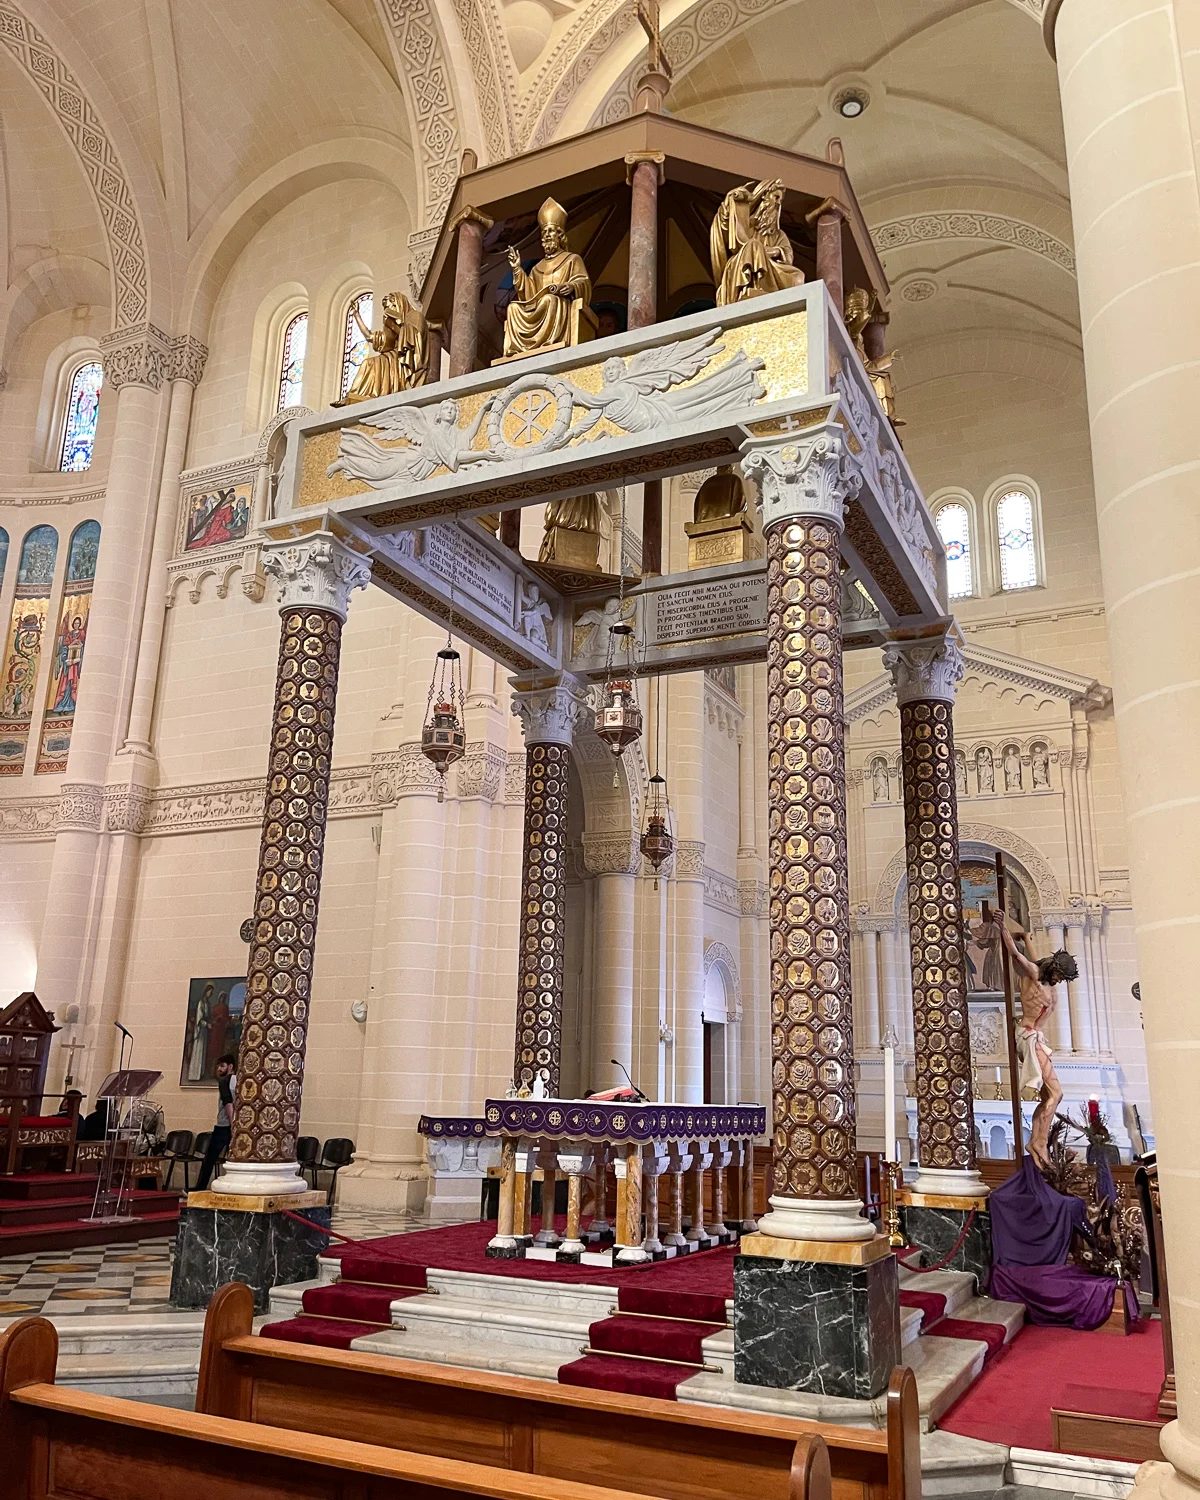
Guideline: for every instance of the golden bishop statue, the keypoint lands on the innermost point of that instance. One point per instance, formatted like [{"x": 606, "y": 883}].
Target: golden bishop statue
[
  {"x": 751, "y": 254},
  {"x": 860, "y": 310},
  {"x": 550, "y": 308},
  {"x": 400, "y": 353}
]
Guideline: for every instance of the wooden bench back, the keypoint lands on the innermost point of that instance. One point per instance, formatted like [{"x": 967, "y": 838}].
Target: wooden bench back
[
  {"x": 58, "y": 1442},
  {"x": 671, "y": 1450}
]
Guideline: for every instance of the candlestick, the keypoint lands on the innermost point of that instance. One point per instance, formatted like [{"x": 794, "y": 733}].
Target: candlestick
[{"x": 890, "y": 1042}]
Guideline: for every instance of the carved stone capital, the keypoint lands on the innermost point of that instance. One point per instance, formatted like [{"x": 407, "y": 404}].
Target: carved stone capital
[
  {"x": 925, "y": 669},
  {"x": 318, "y": 572},
  {"x": 612, "y": 853},
  {"x": 549, "y": 715},
  {"x": 80, "y": 807},
  {"x": 806, "y": 477},
  {"x": 188, "y": 358},
  {"x": 471, "y": 215},
  {"x": 141, "y": 355}
]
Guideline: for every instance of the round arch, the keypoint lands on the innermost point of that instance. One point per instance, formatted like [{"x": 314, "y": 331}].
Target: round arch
[{"x": 1028, "y": 865}]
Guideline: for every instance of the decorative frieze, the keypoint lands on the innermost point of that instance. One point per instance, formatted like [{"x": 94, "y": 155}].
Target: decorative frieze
[
  {"x": 80, "y": 807},
  {"x": 188, "y": 358},
  {"x": 612, "y": 853}
]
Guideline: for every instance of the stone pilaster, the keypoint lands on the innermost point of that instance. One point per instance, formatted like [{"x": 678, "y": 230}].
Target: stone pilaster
[
  {"x": 548, "y": 715},
  {"x": 316, "y": 577},
  {"x": 927, "y": 673}
]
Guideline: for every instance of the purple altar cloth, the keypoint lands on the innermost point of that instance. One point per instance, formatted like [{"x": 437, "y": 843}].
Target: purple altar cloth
[
  {"x": 1060, "y": 1294},
  {"x": 1032, "y": 1225}
]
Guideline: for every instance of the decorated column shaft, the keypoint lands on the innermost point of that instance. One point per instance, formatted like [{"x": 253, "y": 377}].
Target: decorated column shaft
[
  {"x": 548, "y": 715},
  {"x": 927, "y": 673},
  {"x": 316, "y": 577},
  {"x": 803, "y": 486}
]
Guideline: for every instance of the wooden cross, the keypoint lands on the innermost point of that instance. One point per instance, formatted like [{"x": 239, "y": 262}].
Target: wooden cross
[
  {"x": 648, "y": 16},
  {"x": 70, "y": 1048}
]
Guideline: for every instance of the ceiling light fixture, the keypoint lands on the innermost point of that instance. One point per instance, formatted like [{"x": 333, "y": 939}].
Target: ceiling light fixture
[{"x": 851, "y": 103}]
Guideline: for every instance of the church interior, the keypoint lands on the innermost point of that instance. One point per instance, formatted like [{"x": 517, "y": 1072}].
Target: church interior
[{"x": 595, "y": 782}]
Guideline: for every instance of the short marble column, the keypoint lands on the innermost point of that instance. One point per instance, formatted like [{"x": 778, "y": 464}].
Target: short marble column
[
  {"x": 464, "y": 329},
  {"x": 654, "y": 1164},
  {"x": 628, "y": 1249},
  {"x": 749, "y": 1222},
  {"x": 503, "y": 1244},
  {"x": 828, "y": 218},
  {"x": 575, "y": 1164},
  {"x": 926, "y": 673},
  {"x": 679, "y": 1162},
  {"x": 548, "y": 714},
  {"x": 547, "y": 1237},
  {"x": 718, "y": 1230},
  {"x": 816, "y": 1299},
  {"x": 697, "y": 1235},
  {"x": 316, "y": 577},
  {"x": 523, "y": 1165},
  {"x": 600, "y": 1229}
]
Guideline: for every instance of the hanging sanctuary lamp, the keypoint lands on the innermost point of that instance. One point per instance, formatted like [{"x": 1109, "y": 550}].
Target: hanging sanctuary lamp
[
  {"x": 618, "y": 720},
  {"x": 657, "y": 843},
  {"x": 444, "y": 734}
]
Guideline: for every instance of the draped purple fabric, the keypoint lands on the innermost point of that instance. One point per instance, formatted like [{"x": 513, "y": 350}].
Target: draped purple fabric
[
  {"x": 1032, "y": 1225},
  {"x": 1066, "y": 1295}
]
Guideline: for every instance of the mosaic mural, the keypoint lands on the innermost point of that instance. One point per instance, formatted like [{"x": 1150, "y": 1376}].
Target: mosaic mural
[
  {"x": 63, "y": 692},
  {"x": 23, "y": 645}
]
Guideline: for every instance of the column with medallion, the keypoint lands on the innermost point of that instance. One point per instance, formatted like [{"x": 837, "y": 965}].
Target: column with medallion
[
  {"x": 815, "y": 1291},
  {"x": 944, "y": 1207}
]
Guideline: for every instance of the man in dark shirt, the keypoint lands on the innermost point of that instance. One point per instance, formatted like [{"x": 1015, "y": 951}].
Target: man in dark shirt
[{"x": 218, "y": 1142}]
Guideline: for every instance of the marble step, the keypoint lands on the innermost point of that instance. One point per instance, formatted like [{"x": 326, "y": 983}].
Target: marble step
[
  {"x": 957, "y": 1287},
  {"x": 911, "y": 1319},
  {"x": 956, "y": 1465},
  {"x": 455, "y": 1324},
  {"x": 990, "y": 1310},
  {"x": 471, "y": 1356},
  {"x": 589, "y": 1301}
]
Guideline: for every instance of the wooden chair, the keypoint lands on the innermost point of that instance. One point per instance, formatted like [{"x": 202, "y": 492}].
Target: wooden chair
[
  {"x": 60, "y": 1442},
  {"x": 676, "y": 1450}
]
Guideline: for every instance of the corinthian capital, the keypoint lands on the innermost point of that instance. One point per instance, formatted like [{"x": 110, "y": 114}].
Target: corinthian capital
[
  {"x": 811, "y": 476},
  {"x": 549, "y": 714},
  {"x": 318, "y": 572},
  {"x": 136, "y": 356},
  {"x": 925, "y": 669},
  {"x": 188, "y": 358}
]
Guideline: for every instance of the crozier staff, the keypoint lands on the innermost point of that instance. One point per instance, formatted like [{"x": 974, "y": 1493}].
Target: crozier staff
[{"x": 1038, "y": 1000}]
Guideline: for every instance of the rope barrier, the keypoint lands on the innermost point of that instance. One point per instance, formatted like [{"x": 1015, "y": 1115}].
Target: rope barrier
[
  {"x": 958, "y": 1243},
  {"x": 320, "y": 1228}
]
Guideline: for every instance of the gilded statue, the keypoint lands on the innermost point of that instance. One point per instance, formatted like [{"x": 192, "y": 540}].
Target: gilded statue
[
  {"x": 721, "y": 497},
  {"x": 860, "y": 311},
  {"x": 751, "y": 254},
  {"x": 572, "y": 533},
  {"x": 400, "y": 353},
  {"x": 545, "y": 313}
]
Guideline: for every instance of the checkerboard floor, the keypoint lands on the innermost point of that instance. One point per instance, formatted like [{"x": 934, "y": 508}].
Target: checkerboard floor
[{"x": 112, "y": 1280}]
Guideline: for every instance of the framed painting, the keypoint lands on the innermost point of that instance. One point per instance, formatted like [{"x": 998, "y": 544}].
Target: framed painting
[
  {"x": 216, "y": 515},
  {"x": 214, "y": 1026}
]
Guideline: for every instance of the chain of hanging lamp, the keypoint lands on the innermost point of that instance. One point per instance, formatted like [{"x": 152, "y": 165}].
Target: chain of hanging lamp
[
  {"x": 618, "y": 720},
  {"x": 444, "y": 733}
]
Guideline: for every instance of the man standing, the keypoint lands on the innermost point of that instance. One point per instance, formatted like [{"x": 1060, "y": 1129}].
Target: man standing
[
  {"x": 218, "y": 1142},
  {"x": 1033, "y": 1051}
]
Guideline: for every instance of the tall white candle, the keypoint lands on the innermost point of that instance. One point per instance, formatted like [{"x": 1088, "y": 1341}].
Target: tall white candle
[{"x": 890, "y": 1041}]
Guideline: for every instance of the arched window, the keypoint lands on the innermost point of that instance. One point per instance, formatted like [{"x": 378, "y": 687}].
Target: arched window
[
  {"x": 291, "y": 364},
  {"x": 953, "y": 522},
  {"x": 66, "y": 665},
  {"x": 355, "y": 344},
  {"x": 79, "y": 427},
  {"x": 1014, "y": 531},
  {"x": 3, "y": 554}
]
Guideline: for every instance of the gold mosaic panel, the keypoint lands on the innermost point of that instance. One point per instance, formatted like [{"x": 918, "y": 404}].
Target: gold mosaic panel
[
  {"x": 543, "y": 917},
  {"x": 812, "y": 1031},
  {"x": 945, "y": 1107},
  {"x": 275, "y": 1030}
]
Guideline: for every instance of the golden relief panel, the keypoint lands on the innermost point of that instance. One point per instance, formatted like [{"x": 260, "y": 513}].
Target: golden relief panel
[{"x": 536, "y": 413}]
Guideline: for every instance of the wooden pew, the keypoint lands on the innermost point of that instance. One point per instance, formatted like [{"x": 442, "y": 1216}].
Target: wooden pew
[
  {"x": 59, "y": 1443},
  {"x": 672, "y": 1450}
]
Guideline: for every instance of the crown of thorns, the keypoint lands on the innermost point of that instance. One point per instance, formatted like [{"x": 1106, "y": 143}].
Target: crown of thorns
[{"x": 1061, "y": 965}]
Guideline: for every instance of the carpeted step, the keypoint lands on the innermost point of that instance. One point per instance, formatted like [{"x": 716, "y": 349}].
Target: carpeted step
[
  {"x": 374, "y": 1266},
  {"x": 365, "y": 1303},
  {"x": 699, "y": 1307},
  {"x": 931, "y": 1304},
  {"x": 991, "y": 1334},
  {"x": 632, "y": 1377},
  {"x": 652, "y": 1338},
  {"x": 327, "y": 1333}
]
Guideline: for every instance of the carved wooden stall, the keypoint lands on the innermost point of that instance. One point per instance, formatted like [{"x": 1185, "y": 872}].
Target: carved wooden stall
[{"x": 26, "y": 1028}]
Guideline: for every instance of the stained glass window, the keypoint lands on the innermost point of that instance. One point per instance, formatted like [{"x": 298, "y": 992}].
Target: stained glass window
[
  {"x": 79, "y": 429},
  {"x": 3, "y": 553},
  {"x": 355, "y": 345},
  {"x": 1014, "y": 525},
  {"x": 291, "y": 366},
  {"x": 954, "y": 527}
]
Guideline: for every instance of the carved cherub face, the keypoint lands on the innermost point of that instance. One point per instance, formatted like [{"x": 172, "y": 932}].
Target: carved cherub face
[
  {"x": 612, "y": 370},
  {"x": 447, "y": 413}
]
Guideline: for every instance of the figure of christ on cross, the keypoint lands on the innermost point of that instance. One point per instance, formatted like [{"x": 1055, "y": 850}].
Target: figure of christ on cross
[{"x": 1038, "y": 1000}]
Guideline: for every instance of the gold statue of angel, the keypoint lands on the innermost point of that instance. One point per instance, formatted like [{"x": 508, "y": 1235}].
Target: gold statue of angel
[
  {"x": 751, "y": 254},
  {"x": 400, "y": 352}
]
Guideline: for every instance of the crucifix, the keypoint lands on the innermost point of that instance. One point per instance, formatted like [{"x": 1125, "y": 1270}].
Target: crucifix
[
  {"x": 70, "y": 1048},
  {"x": 651, "y": 24}
]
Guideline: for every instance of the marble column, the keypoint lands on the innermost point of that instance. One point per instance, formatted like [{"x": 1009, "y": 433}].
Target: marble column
[
  {"x": 869, "y": 938},
  {"x": 137, "y": 361},
  {"x": 828, "y": 218},
  {"x": 926, "y": 673},
  {"x": 1129, "y": 78},
  {"x": 802, "y": 488},
  {"x": 548, "y": 714},
  {"x": 613, "y": 860},
  {"x": 464, "y": 329},
  {"x": 1060, "y": 1028},
  {"x": 1079, "y": 997},
  {"x": 316, "y": 578},
  {"x": 644, "y": 170},
  {"x": 686, "y": 717}
]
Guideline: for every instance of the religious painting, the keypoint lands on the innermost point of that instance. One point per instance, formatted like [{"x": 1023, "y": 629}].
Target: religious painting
[
  {"x": 67, "y": 662},
  {"x": 214, "y": 1027},
  {"x": 977, "y": 879},
  {"x": 23, "y": 645},
  {"x": 216, "y": 516}
]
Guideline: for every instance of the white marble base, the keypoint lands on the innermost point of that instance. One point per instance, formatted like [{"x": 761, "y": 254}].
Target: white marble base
[
  {"x": 956, "y": 1465},
  {"x": 947, "y": 1184},
  {"x": 257, "y": 1179},
  {"x": 832, "y": 1220},
  {"x": 1104, "y": 1478}
]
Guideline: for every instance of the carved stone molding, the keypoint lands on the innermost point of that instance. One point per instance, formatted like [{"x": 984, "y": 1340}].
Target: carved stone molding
[
  {"x": 30, "y": 819},
  {"x": 1035, "y": 874},
  {"x": 427, "y": 76},
  {"x": 925, "y": 669},
  {"x": 401, "y": 772},
  {"x": 611, "y": 853},
  {"x": 514, "y": 777},
  {"x": 753, "y": 898},
  {"x": 549, "y": 715},
  {"x": 80, "y": 807},
  {"x": 93, "y": 498},
  {"x": 719, "y": 954},
  {"x": 689, "y": 859},
  {"x": 99, "y": 159},
  {"x": 480, "y": 773},
  {"x": 137, "y": 355},
  {"x": 188, "y": 358},
  {"x": 319, "y": 572},
  {"x": 812, "y": 477},
  {"x": 189, "y": 573},
  {"x": 721, "y": 891},
  {"x": 126, "y": 808},
  {"x": 959, "y": 224},
  {"x": 280, "y": 419}
]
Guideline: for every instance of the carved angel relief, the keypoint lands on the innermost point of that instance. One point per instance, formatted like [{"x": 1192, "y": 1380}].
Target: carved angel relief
[{"x": 536, "y": 413}]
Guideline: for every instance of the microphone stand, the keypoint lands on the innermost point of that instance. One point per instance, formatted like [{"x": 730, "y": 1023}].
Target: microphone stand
[{"x": 632, "y": 1085}]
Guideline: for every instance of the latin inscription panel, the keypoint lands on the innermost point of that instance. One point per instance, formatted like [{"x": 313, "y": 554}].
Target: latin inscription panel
[{"x": 699, "y": 611}]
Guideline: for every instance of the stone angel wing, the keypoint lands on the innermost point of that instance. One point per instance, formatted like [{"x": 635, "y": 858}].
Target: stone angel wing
[
  {"x": 671, "y": 364},
  {"x": 412, "y": 422}
]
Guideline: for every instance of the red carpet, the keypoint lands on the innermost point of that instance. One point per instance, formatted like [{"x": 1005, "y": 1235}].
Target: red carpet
[
  {"x": 1010, "y": 1402},
  {"x": 49, "y": 1211},
  {"x": 637, "y": 1378},
  {"x": 357, "y": 1305},
  {"x": 935, "y": 1321}
]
